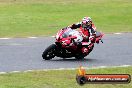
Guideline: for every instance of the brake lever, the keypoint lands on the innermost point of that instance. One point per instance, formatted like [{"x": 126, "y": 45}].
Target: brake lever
[{"x": 101, "y": 40}]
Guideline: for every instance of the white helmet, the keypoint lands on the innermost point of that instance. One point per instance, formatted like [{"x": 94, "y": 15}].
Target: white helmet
[{"x": 86, "y": 22}]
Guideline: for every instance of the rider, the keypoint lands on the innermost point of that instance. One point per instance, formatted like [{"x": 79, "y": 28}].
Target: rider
[{"x": 87, "y": 29}]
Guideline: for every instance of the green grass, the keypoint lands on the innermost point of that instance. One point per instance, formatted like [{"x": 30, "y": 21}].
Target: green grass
[
  {"x": 22, "y": 18},
  {"x": 59, "y": 79}
]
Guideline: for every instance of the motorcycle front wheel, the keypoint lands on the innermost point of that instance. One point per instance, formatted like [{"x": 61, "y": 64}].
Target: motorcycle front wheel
[{"x": 49, "y": 52}]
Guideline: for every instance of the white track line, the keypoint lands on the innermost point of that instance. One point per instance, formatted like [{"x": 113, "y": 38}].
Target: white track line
[
  {"x": 3, "y": 72},
  {"x": 67, "y": 69},
  {"x": 28, "y": 71},
  {"x": 5, "y": 38},
  {"x": 33, "y": 37},
  {"x": 53, "y": 36},
  {"x": 12, "y": 38},
  {"x": 15, "y": 72},
  {"x": 117, "y": 33}
]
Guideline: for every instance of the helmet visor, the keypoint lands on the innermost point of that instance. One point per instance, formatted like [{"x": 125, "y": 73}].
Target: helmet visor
[{"x": 86, "y": 24}]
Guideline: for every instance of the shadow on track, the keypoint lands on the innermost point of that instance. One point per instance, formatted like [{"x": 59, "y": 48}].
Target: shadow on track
[{"x": 73, "y": 60}]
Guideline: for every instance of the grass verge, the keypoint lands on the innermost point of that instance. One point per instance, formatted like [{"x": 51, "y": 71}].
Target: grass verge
[
  {"x": 23, "y": 18},
  {"x": 59, "y": 79}
]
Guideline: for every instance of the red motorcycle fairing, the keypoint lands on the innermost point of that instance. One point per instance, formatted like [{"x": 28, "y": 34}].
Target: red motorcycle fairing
[{"x": 66, "y": 47}]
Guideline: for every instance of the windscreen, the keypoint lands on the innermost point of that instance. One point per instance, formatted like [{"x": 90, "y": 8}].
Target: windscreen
[{"x": 67, "y": 33}]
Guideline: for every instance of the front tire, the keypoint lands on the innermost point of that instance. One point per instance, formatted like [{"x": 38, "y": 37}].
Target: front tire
[{"x": 49, "y": 52}]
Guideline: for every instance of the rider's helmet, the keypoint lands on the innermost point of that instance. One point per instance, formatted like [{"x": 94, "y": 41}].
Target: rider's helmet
[{"x": 86, "y": 22}]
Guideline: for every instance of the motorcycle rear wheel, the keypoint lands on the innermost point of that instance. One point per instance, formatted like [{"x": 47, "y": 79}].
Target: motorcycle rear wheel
[
  {"x": 49, "y": 52},
  {"x": 81, "y": 56}
]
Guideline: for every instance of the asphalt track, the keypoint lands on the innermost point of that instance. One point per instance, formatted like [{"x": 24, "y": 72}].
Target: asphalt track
[{"x": 20, "y": 54}]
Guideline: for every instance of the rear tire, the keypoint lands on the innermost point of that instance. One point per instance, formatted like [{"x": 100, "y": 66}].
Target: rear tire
[
  {"x": 91, "y": 49},
  {"x": 49, "y": 52},
  {"x": 81, "y": 56}
]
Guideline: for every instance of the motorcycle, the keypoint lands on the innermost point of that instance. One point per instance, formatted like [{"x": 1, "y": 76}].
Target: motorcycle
[{"x": 69, "y": 43}]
